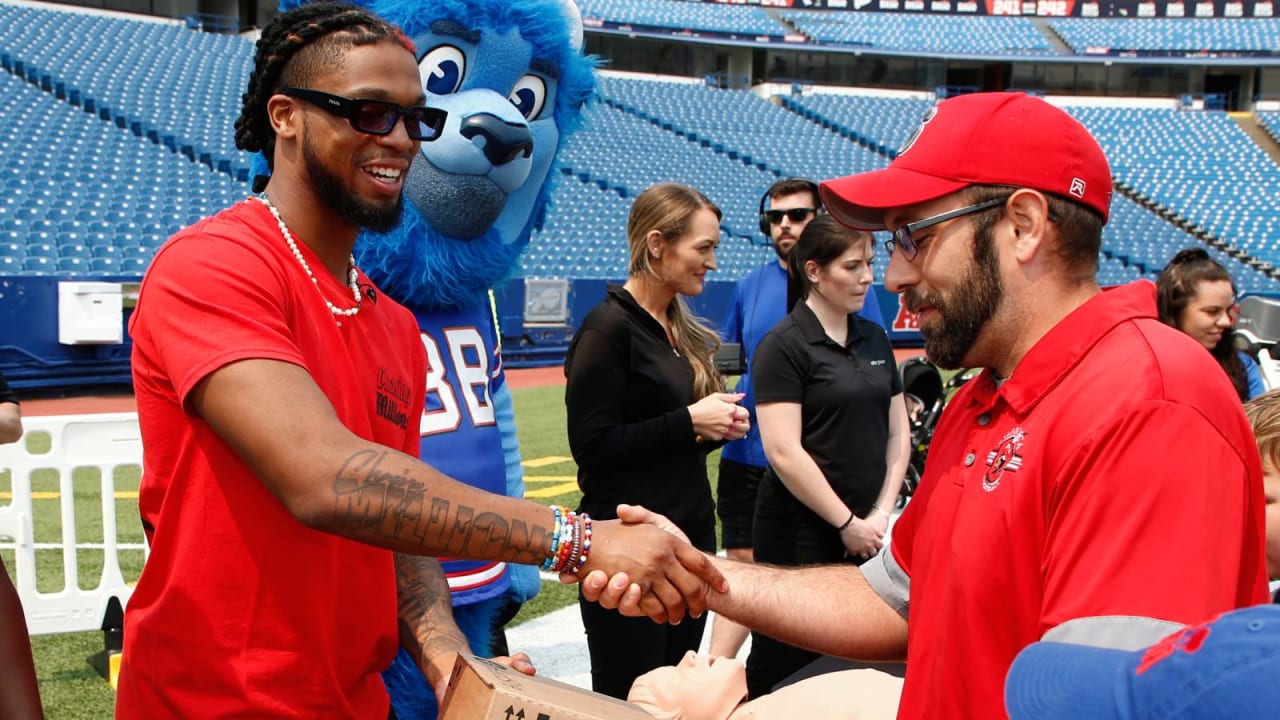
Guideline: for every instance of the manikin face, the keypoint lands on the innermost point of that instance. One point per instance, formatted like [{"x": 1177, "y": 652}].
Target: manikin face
[
  {"x": 953, "y": 283},
  {"x": 785, "y": 232},
  {"x": 682, "y": 263},
  {"x": 700, "y": 687},
  {"x": 361, "y": 176},
  {"x": 1209, "y": 312},
  {"x": 843, "y": 283}
]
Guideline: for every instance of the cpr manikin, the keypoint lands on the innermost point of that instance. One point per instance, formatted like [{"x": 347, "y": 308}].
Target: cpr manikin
[{"x": 702, "y": 687}]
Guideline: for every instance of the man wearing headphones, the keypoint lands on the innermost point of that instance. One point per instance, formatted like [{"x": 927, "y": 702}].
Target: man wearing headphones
[{"x": 760, "y": 301}]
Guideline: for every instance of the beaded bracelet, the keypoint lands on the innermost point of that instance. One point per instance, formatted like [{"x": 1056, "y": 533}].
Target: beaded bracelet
[
  {"x": 567, "y": 543},
  {"x": 556, "y": 532},
  {"x": 575, "y": 548},
  {"x": 586, "y": 544}
]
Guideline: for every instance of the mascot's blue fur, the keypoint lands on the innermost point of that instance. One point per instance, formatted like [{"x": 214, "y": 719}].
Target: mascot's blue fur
[
  {"x": 513, "y": 78},
  {"x": 469, "y": 219}
]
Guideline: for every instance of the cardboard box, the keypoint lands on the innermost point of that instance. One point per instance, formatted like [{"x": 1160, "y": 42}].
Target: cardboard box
[{"x": 483, "y": 690}]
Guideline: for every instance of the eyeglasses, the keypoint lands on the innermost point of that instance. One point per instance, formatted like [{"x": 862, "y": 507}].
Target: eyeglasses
[
  {"x": 376, "y": 117},
  {"x": 901, "y": 238},
  {"x": 795, "y": 215}
]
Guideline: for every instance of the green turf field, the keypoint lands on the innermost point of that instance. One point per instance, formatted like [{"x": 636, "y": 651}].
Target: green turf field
[{"x": 71, "y": 688}]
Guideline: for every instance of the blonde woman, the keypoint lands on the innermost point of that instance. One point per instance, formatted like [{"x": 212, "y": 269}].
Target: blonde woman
[{"x": 645, "y": 406}]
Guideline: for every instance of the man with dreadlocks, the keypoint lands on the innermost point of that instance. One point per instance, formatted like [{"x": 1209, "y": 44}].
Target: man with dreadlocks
[{"x": 278, "y": 396}]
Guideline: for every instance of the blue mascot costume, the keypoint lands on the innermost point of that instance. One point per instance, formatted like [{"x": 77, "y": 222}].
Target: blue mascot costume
[{"x": 513, "y": 78}]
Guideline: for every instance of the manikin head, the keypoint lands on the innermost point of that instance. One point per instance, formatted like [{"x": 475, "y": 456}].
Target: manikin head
[{"x": 699, "y": 687}]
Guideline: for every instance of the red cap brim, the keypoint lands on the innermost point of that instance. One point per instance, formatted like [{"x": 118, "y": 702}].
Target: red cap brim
[{"x": 859, "y": 201}]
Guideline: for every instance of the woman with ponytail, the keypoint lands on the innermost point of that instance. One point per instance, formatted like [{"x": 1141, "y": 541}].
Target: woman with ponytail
[{"x": 645, "y": 406}]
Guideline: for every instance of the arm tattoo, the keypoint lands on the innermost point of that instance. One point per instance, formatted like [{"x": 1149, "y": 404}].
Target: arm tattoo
[
  {"x": 425, "y": 613},
  {"x": 374, "y": 496}
]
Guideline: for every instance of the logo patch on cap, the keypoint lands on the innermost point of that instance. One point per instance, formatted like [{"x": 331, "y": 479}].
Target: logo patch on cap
[
  {"x": 928, "y": 116},
  {"x": 1077, "y": 188}
]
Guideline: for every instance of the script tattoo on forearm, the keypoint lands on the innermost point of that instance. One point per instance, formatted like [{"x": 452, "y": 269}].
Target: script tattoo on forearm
[{"x": 372, "y": 495}]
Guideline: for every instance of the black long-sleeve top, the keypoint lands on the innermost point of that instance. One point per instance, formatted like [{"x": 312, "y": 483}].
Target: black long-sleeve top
[{"x": 630, "y": 431}]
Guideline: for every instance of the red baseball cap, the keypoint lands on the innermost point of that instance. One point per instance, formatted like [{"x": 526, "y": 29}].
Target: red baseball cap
[{"x": 979, "y": 139}]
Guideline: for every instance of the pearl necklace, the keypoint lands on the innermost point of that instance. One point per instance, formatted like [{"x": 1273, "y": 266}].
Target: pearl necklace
[{"x": 293, "y": 247}]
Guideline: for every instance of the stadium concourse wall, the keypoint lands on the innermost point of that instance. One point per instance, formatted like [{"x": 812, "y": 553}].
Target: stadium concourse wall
[{"x": 34, "y": 356}]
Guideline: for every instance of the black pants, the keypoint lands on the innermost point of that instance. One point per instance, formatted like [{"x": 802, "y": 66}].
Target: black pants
[
  {"x": 789, "y": 534},
  {"x": 623, "y": 648},
  {"x": 736, "y": 504}
]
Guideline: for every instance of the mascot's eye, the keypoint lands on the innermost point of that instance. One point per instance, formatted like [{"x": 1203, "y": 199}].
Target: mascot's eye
[
  {"x": 442, "y": 70},
  {"x": 529, "y": 95}
]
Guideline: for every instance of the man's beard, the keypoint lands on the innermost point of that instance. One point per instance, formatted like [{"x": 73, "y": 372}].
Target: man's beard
[
  {"x": 958, "y": 320},
  {"x": 783, "y": 255},
  {"x": 350, "y": 208}
]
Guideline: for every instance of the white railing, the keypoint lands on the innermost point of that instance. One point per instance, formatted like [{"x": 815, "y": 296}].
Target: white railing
[{"x": 105, "y": 442}]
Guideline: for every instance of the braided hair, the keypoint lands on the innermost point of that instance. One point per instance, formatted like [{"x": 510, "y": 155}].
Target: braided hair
[{"x": 294, "y": 48}]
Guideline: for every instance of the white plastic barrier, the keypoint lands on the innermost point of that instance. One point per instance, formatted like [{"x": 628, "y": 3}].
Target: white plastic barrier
[{"x": 105, "y": 442}]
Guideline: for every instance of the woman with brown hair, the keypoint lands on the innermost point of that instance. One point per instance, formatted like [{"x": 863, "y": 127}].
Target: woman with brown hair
[
  {"x": 645, "y": 405},
  {"x": 1196, "y": 295},
  {"x": 834, "y": 424}
]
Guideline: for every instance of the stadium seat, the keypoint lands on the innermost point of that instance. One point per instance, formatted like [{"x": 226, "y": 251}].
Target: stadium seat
[
  {"x": 73, "y": 265},
  {"x": 38, "y": 266}
]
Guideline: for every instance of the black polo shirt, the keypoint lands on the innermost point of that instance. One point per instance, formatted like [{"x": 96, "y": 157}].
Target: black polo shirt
[{"x": 843, "y": 392}]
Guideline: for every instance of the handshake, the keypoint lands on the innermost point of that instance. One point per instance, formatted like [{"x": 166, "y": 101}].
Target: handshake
[{"x": 643, "y": 566}]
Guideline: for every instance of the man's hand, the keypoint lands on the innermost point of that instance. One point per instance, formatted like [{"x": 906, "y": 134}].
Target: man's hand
[
  {"x": 440, "y": 668},
  {"x": 673, "y": 576},
  {"x": 520, "y": 662},
  {"x": 683, "y": 586}
]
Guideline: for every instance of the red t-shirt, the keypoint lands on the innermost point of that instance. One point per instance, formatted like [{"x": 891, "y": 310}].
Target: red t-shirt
[
  {"x": 242, "y": 611},
  {"x": 1113, "y": 474}
]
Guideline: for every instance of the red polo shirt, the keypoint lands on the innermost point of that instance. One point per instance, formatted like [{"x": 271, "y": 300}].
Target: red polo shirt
[{"x": 1113, "y": 474}]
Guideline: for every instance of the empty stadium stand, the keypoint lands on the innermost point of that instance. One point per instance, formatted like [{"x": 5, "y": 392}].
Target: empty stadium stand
[
  {"x": 1169, "y": 35},
  {"x": 683, "y": 16},
  {"x": 933, "y": 34},
  {"x": 121, "y": 133},
  {"x": 74, "y": 186}
]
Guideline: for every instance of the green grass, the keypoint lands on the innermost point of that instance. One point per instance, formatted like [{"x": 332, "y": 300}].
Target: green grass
[{"x": 70, "y": 688}]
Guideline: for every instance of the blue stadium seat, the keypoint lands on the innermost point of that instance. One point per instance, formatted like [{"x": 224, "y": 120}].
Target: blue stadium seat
[
  {"x": 41, "y": 249},
  {"x": 38, "y": 266},
  {"x": 104, "y": 266},
  {"x": 74, "y": 250},
  {"x": 133, "y": 265},
  {"x": 73, "y": 265}
]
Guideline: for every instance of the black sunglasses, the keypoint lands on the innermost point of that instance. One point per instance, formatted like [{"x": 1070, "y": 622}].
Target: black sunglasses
[
  {"x": 795, "y": 215},
  {"x": 376, "y": 117},
  {"x": 901, "y": 238}
]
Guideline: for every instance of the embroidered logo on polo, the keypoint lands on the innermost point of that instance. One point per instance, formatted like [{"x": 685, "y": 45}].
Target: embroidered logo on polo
[{"x": 1006, "y": 457}]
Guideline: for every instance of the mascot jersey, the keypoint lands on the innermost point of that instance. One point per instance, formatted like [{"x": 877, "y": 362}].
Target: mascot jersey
[{"x": 460, "y": 435}]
